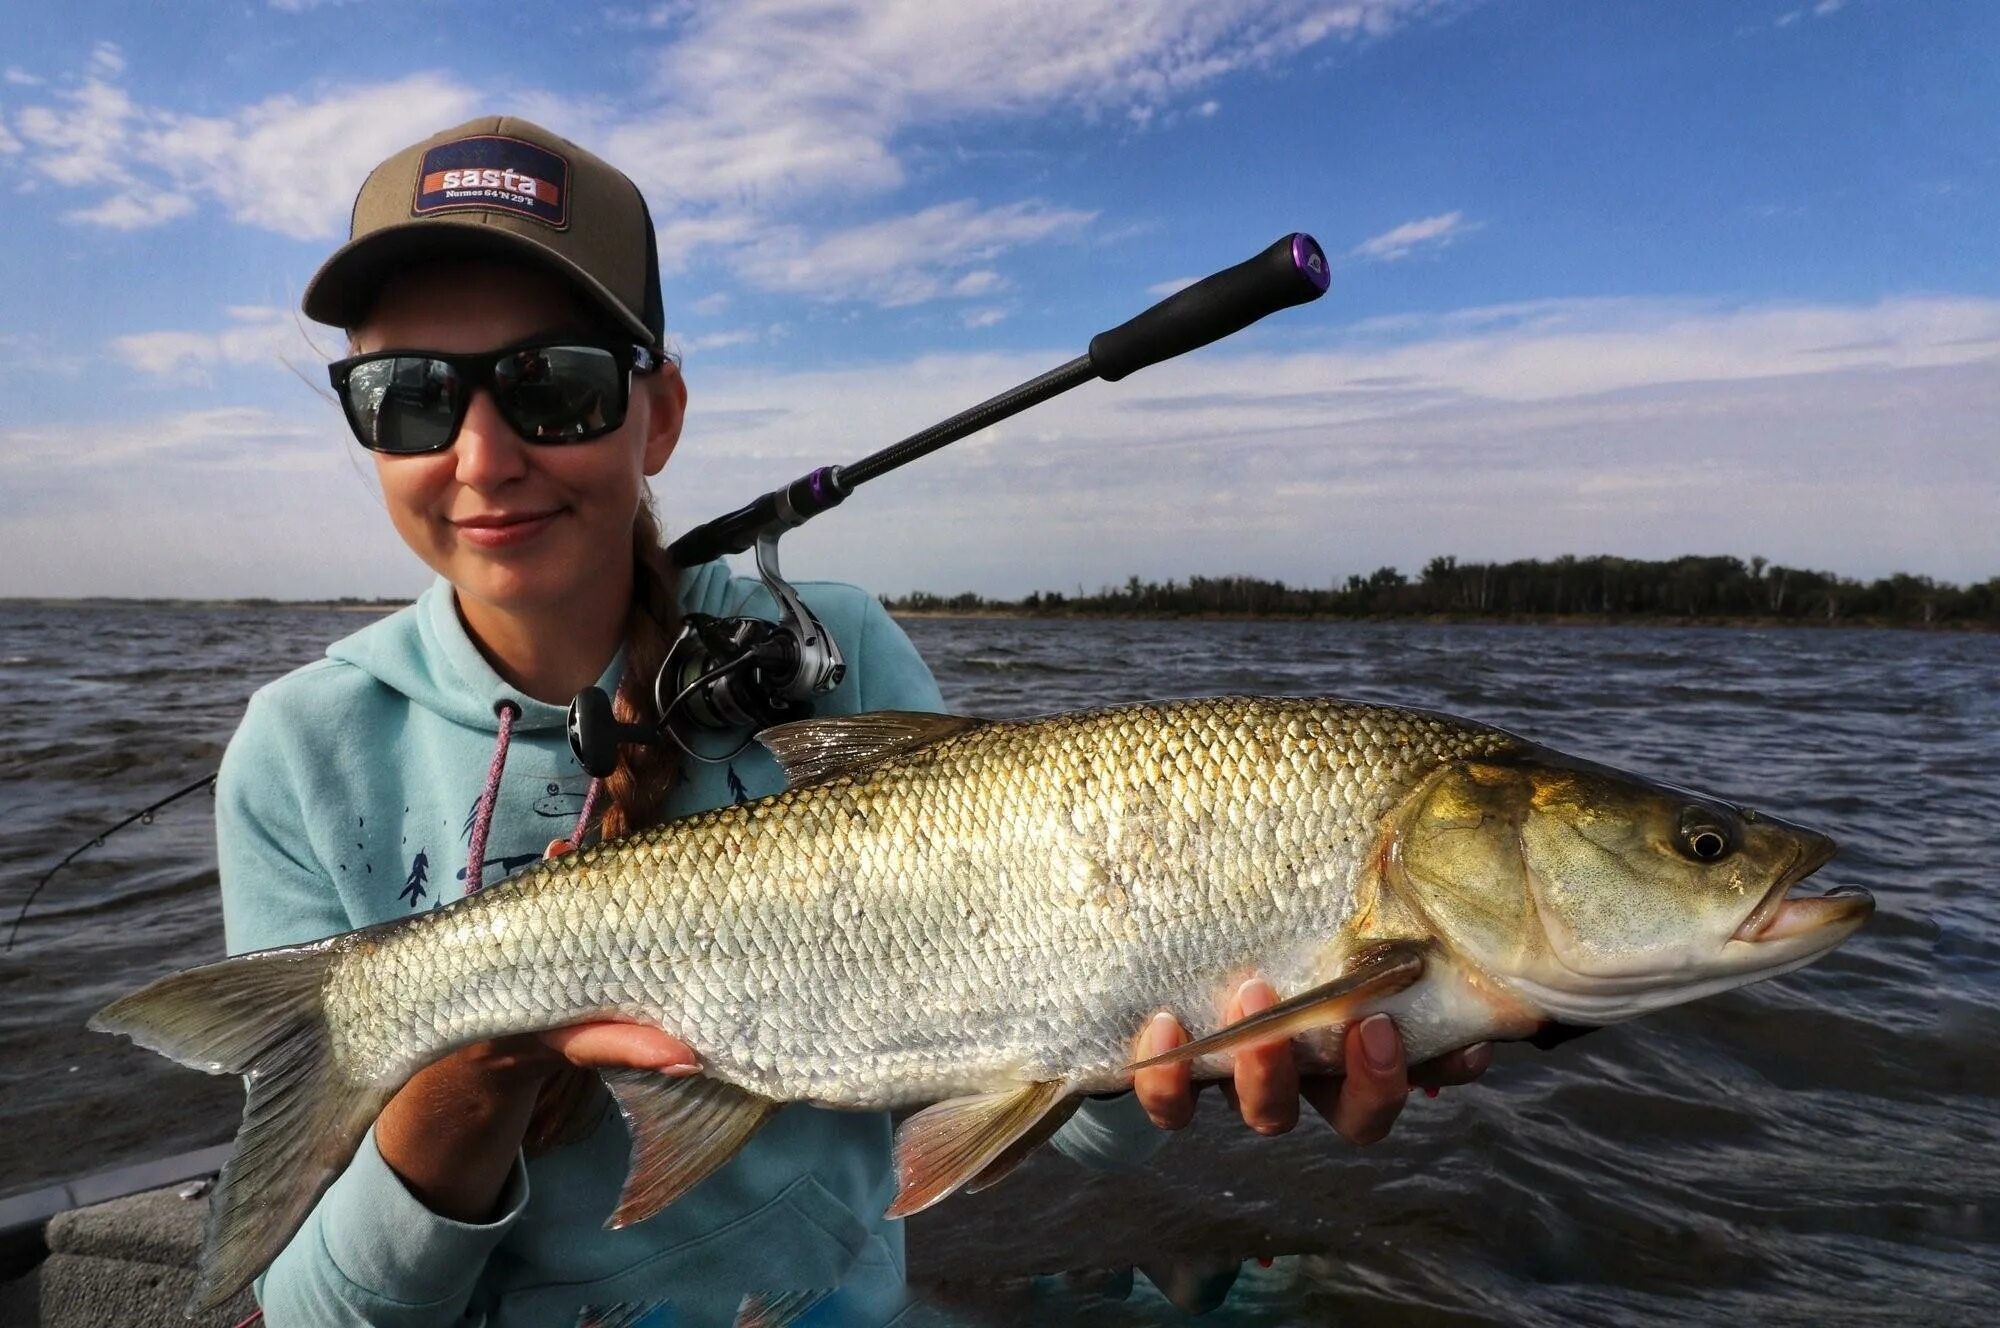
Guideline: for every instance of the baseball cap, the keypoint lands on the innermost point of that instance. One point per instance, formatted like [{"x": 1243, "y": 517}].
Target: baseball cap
[{"x": 499, "y": 187}]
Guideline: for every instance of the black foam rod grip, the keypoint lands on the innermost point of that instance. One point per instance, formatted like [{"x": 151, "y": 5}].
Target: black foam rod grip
[{"x": 1292, "y": 271}]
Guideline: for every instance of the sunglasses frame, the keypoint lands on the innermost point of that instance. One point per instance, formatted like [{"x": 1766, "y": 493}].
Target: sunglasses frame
[{"x": 481, "y": 369}]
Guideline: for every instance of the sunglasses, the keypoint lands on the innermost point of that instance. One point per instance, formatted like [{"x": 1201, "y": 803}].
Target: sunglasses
[{"x": 407, "y": 402}]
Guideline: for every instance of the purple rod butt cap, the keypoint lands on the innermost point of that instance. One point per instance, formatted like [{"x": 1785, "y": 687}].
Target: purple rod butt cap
[{"x": 1310, "y": 259}]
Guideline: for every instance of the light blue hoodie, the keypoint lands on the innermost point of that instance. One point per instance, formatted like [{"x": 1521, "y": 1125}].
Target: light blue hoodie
[{"x": 346, "y": 798}]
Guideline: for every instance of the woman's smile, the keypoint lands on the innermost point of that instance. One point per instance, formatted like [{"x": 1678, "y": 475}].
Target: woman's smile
[{"x": 504, "y": 530}]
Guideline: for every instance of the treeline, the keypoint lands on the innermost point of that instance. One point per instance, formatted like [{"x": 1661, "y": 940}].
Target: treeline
[{"x": 1696, "y": 588}]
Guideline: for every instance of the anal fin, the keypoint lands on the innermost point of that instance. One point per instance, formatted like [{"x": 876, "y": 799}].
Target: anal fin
[
  {"x": 1017, "y": 1152},
  {"x": 682, "y": 1130},
  {"x": 951, "y": 1144},
  {"x": 760, "y": 1310},
  {"x": 1379, "y": 975}
]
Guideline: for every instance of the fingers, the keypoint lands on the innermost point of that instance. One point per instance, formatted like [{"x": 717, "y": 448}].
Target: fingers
[
  {"x": 1165, "y": 1091},
  {"x": 1458, "y": 1067},
  {"x": 1364, "y": 1103},
  {"x": 608, "y": 1045},
  {"x": 1266, "y": 1077}
]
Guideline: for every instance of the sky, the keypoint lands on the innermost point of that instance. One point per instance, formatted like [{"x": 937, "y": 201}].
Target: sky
[{"x": 1643, "y": 279}]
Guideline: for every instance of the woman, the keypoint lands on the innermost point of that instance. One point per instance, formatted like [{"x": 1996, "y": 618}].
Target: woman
[{"x": 528, "y": 401}]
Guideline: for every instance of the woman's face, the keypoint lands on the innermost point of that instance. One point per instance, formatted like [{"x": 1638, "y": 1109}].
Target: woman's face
[{"x": 516, "y": 526}]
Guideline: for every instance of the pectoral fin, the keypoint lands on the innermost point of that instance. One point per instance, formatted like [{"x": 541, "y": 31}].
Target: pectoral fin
[
  {"x": 682, "y": 1129},
  {"x": 954, "y": 1143},
  {"x": 1381, "y": 974}
]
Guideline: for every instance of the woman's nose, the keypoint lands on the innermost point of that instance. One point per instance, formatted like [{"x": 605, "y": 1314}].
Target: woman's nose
[{"x": 489, "y": 452}]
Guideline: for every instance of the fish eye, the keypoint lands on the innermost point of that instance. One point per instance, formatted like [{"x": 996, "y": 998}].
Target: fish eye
[{"x": 1704, "y": 837}]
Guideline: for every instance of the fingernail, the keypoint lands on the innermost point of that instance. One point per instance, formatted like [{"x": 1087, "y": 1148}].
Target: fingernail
[
  {"x": 1379, "y": 1042},
  {"x": 1432, "y": 1092},
  {"x": 1478, "y": 1056},
  {"x": 679, "y": 1069},
  {"x": 1159, "y": 1035},
  {"x": 1256, "y": 994}
]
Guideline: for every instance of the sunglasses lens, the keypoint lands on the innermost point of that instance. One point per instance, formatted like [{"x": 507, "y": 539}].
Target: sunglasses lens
[
  {"x": 403, "y": 403},
  {"x": 553, "y": 394}
]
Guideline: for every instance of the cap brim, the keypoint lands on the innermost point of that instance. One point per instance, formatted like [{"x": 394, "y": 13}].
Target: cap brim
[{"x": 341, "y": 292}]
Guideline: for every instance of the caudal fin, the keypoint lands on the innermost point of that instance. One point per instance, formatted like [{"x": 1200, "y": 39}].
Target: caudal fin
[{"x": 261, "y": 1016}]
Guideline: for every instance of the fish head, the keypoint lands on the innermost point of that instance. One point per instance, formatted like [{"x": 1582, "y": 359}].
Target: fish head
[{"x": 1597, "y": 895}]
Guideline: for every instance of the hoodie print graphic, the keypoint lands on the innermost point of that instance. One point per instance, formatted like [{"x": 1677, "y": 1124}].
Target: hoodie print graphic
[{"x": 552, "y": 802}]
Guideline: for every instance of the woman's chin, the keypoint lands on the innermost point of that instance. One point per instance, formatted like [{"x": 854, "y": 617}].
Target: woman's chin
[{"x": 514, "y": 586}]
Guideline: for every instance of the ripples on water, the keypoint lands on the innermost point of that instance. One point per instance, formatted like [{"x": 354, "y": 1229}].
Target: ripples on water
[{"x": 1820, "y": 1148}]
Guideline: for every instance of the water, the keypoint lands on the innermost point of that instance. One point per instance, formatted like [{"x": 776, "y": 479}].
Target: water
[{"x": 1824, "y": 1147}]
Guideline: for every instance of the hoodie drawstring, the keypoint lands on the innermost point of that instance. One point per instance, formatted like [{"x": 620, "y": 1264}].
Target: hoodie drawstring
[
  {"x": 583, "y": 817},
  {"x": 482, "y": 820}
]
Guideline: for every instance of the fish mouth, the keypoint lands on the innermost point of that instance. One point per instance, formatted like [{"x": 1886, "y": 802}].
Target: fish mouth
[{"x": 1778, "y": 916}]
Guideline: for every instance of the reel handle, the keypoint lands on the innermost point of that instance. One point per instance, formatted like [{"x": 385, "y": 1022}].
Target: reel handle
[
  {"x": 1292, "y": 271},
  {"x": 595, "y": 734}
]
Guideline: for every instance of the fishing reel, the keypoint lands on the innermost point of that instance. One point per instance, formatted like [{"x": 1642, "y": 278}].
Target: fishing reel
[
  {"x": 723, "y": 674},
  {"x": 746, "y": 673}
]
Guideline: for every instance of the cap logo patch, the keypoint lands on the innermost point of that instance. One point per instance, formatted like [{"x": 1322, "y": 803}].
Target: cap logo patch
[{"x": 491, "y": 173}]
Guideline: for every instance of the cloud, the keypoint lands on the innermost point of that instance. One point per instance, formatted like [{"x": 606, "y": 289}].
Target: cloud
[
  {"x": 753, "y": 112},
  {"x": 1160, "y": 290},
  {"x": 256, "y": 335},
  {"x": 21, "y": 78},
  {"x": 983, "y": 282},
  {"x": 1427, "y": 233},
  {"x": 709, "y": 305},
  {"x": 34, "y": 354},
  {"x": 737, "y": 336},
  {"x": 106, "y": 60},
  {"x": 1628, "y": 426},
  {"x": 157, "y": 165},
  {"x": 85, "y": 139},
  {"x": 978, "y": 318},
  {"x": 249, "y": 162},
  {"x": 134, "y": 211},
  {"x": 906, "y": 259},
  {"x": 227, "y": 500},
  {"x": 1841, "y": 436},
  {"x": 231, "y": 435}
]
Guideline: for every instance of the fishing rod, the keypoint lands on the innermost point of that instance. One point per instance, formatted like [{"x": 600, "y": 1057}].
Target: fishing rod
[
  {"x": 748, "y": 673},
  {"x": 144, "y": 816}
]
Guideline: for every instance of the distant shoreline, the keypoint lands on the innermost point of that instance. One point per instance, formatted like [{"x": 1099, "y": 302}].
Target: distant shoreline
[
  {"x": 1468, "y": 619},
  {"x": 141, "y": 602},
  {"x": 1733, "y": 621}
]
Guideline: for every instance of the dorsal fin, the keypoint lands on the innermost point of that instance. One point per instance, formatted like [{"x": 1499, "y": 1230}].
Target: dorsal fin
[{"x": 813, "y": 750}]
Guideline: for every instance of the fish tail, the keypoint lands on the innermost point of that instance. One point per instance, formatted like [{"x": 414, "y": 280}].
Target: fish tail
[{"x": 261, "y": 1016}]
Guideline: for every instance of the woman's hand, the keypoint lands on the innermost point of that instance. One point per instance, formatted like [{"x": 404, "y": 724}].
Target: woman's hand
[
  {"x": 451, "y": 1132},
  {"x": 1360, "y": 1104}
]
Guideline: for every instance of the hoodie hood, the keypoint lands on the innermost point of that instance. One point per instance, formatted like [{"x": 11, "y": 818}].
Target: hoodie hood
[{"x": 424, "y": 652}]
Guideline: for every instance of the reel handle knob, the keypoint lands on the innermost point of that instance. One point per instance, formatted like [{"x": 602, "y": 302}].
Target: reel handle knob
[{"x": 595, "y": 734}]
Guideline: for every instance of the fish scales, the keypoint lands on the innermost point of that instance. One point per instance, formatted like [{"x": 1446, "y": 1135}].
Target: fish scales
[
  {"x": 980, "y": 916},
  {"x": 1009, "y": 904}
]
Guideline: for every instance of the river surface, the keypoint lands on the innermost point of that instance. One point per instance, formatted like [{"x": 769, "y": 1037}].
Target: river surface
[{"x": 1822, "y": 1148}]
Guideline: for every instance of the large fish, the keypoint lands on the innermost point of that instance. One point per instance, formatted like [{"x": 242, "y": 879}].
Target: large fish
[{"x": 982, "y": 915}]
